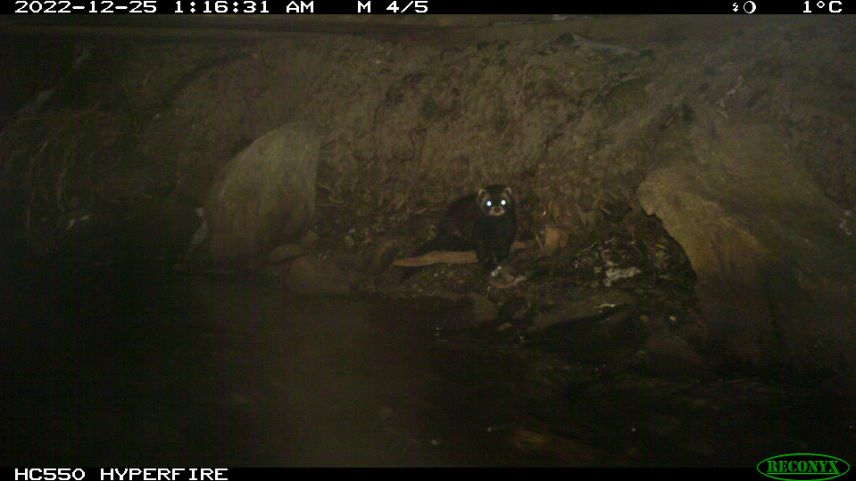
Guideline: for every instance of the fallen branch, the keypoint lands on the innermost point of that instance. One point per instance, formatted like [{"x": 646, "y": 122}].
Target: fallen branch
[
  {"x": 447, "y": 257},
  {"x": 438, "y": 257}
]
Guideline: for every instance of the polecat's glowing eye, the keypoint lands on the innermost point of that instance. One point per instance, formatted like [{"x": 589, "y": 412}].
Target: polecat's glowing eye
[
  {"x": 503, "y": 202},
  {"x": 488, "y": 203}
]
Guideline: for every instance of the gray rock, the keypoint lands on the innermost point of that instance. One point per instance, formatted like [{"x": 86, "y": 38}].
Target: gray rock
[
  {"x": 668, "y": 354},
  {"x": 201, "y": 234},
  {"x": 775, "y": 273},
  {"x": 285, "y": 252},
  {"x": 265, "y": 195},
  {"x": 309, "y": 238},
  {"x": 378, "y": 259},
  {"x": 483, "y": 309},
  {"x": 593, "y": 305},
  {"x": 551, "y": 240},
  {"x": 313, "y": 276},
  {"x": 591, "y": 328},
  {"x": 695, "y": 333}
]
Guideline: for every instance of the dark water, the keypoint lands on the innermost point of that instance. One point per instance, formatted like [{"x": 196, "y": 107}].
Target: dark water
[{"x": 149, "y": 368}]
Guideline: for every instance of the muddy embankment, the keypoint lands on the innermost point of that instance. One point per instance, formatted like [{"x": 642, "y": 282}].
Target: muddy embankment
[{"x": 695, "y": 181}]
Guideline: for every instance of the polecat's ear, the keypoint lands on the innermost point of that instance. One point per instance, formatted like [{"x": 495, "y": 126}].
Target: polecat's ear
[
  {"x": 508, "y": 192},
  {"x": 481, "y": 196}
]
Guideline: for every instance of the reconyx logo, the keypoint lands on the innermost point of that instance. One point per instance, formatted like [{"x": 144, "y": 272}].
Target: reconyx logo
[{"x": 803, "y": 466}]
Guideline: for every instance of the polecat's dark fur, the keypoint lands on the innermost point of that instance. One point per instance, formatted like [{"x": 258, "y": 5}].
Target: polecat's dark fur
[{"x": 485, "y": 222}]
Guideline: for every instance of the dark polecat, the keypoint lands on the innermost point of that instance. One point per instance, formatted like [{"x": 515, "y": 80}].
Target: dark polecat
[{"x": 484, "y": 222}]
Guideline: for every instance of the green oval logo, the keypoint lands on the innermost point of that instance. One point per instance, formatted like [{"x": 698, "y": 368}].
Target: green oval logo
[{"x": 803, "y": 466}]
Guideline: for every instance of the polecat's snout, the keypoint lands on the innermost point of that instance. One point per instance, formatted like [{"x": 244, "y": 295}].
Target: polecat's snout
[{"x": 496, "y": 210}]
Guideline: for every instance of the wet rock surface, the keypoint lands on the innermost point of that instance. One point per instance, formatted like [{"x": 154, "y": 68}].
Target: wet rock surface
[
  {"x": 774, "y": 276},
  {"x": 596, "y": 305},
  {"x": 669, "y": 354}
]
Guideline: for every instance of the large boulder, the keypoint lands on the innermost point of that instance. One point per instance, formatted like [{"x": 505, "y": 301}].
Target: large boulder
[
  {"x": 776, "y": 272},
  {"x": 265, "y": 196}
]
